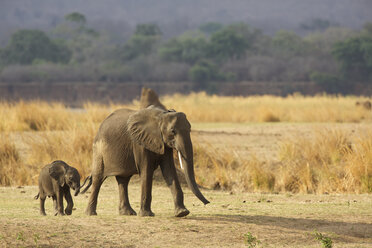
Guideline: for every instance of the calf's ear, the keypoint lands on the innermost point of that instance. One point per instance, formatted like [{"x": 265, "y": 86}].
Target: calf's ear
[{"x": 57, "y": 171}]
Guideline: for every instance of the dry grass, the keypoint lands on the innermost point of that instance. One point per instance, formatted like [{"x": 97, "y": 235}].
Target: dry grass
[
  {"x": 326, "y": 162},
  {"x": 200, "y": 107},
  {"x": 73, "y": 146},
  {"x": 13, "y": 170},
  {"x": 295, "y": 108},
  {"x": 42, "y": 116},
  {"x": 34, "y": 116}
]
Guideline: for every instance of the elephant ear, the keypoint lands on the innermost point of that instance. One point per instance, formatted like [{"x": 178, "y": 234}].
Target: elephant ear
[
  {"x": 144, "y": 129},
  {"x": 57, "y": 171}
]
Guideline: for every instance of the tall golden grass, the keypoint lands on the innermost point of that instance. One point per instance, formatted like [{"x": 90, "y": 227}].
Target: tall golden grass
[
  {"x": 33, "y": 116},
  {"x": 201, "y": 107},
  {"x": 328, "y": 162}
]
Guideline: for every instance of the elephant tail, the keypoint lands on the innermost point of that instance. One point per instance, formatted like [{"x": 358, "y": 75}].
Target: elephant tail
[
  {"x": 37, "y": 196},
  {"x": 88, "y": 186}
]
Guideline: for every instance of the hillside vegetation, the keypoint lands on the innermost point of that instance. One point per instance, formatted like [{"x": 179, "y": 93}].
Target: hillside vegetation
[{"x": 333, "y": 56}]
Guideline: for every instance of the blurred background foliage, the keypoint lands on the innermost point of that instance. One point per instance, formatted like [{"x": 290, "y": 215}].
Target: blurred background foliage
[{"x": 73, "y": 51}]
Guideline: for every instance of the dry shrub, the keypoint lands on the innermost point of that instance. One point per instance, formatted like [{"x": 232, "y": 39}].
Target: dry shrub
[
  {"x": 266, "y": 115},
  {"x": 327, "y": 162},
  {"x": 221, "y": 169},
  {"x": 12, "y": 168},
  {"x": 95, "y": 112},
  {"x": 9, "y": 160},
  {"x": 34, "y": 115},
  {"x": 358, "y": 171},
  {"x": 73, "y": 146}
]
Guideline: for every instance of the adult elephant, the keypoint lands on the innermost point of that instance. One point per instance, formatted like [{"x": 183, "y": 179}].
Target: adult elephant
[{"x": 137, "y": 142}]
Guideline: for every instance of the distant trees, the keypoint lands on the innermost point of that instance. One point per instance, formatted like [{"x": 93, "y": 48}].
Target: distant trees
[
  {"x": 187, "y": 49},
  {"x": 30, "y": 46},
  {"x": 214, "y": 53},
  {"x": 289, "y": 44},
  {"x": 227, "y": 44},
  {"x": 317, "y": 24},
  {"x": 210, "y": 27},
  {"x": 76, "y": 17},
  {"x": 142, "y": 42},
  {"x": 355, "y": 57}
]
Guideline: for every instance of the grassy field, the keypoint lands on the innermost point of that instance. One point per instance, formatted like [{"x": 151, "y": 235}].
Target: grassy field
[
  {"x": 230, "y": 220},
  {"x": 335, "y": 155},
  {"x": 281, "y": 171}
]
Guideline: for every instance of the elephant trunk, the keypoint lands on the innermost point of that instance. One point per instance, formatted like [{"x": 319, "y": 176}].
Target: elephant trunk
[
  {"x": 185, "y": 153},
  {"x": 77, "y": 191}
]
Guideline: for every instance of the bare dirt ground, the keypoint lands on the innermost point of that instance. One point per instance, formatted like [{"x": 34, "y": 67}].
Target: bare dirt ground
[
  {"x": 282, "y": 220},
  {"x": 276, "y": 220}
]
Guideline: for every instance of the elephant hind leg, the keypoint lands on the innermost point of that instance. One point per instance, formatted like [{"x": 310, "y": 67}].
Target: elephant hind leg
[
  {"x": 42, "y": 205},
  {"x": 55, "y": 205},
  {"x": 92, "y": 203},
  {"x": 97, "y": 178},
  {"x": 124, "y": 205}
]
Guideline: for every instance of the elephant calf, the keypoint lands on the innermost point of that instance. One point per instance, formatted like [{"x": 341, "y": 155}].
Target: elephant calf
[{"x": 55, "y": 180}]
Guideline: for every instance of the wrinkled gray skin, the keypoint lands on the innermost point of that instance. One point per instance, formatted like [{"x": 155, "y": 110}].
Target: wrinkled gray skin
[
  {"x": 55, "y": 180},
  {"x": 131, "y": 142}
]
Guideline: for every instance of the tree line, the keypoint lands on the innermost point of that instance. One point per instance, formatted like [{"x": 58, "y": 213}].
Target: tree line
[{"x": 334, "y": 57}]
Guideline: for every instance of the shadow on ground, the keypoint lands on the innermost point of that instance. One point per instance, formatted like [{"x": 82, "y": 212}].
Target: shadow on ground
[{"x": 357, "y": 230}]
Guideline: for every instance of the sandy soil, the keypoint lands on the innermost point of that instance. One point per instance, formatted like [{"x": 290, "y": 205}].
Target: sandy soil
[{"x": 282, "y": 220}]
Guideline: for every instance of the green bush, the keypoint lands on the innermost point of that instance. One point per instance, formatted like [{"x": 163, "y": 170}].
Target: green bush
[{"x": 26, "y": 46}]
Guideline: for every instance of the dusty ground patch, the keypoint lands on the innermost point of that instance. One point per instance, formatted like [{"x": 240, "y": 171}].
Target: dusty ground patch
[{"x": 277, "y": 220}]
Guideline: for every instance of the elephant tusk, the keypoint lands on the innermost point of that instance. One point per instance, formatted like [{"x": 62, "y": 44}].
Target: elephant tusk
[{"x": 179, "y": 157}]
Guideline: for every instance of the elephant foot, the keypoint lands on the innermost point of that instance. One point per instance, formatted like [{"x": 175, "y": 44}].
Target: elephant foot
[
  {"x": 43, "y": 213},
  {"x": 59, "y": 213},
  {"x": 127, "y": 211},
  {"x": 68, "y": 211},
  {"x": 146, "y": 213},
  {"x": 90, "y": 212},
  {"x": 181, "y": 212}
]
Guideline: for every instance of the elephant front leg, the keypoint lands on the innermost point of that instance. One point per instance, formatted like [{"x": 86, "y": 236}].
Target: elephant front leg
[
  {"x": 59, "y": 202},
  {"x": 170, "y": 176},
  {"x": 124, "y": 205},
  {"x": 70, "y": 203},
  {"x": 146, "y": 188},
  {"x": 55, "y": 205}
]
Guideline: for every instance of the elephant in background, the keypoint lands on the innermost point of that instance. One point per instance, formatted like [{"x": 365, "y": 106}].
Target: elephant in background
[
  {"x": 55, "y": 180},
  {"x": 149, "y": 97},
  {"x": 137, "y": 142}
]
